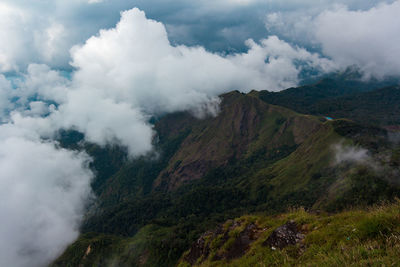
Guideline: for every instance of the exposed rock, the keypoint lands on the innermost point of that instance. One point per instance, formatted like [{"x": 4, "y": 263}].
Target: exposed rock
[
  {"x": 200, "y": 250},
  {"x": 242, "y": 242},
  {"x": 285, "y": 235}
]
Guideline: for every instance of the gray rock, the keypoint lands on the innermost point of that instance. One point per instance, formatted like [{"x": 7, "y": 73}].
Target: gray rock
[{"x": 285, "y": 235}]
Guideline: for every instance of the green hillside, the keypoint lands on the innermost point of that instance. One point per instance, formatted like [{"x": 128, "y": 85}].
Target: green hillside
[{"x": 253, "y": 158}]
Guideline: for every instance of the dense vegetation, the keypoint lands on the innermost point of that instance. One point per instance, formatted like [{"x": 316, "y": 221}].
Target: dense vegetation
[
  {"x": 252, "y": 158},
  {"x": 368, "y": 103}
]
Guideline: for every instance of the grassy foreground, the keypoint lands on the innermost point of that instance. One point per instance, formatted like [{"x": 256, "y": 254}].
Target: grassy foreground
[
  {"x": 359, "y": 237},
  {"x": 352, "y": 238}
]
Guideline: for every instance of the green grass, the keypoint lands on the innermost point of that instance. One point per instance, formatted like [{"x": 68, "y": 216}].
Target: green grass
[{"x": 351, "y": 238}]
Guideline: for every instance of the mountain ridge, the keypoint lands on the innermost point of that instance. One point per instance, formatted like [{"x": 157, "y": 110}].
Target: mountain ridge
[{"x": 254, "y": 157}]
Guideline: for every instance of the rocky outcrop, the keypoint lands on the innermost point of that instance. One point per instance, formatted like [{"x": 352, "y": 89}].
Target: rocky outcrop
[
  {"x": 221, "y": 244},
  {"x": 242, "y": 242},
  {"x": 285, "y": 235},
  {"x": 199, "y": 249}
]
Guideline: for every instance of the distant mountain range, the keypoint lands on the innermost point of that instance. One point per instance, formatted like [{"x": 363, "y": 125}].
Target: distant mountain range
[
  {"x": 374, "y": 102},
  {"x": 264, "y": 153}
]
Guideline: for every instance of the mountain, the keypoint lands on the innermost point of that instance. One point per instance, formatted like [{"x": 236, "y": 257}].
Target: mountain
[
  {"x": 245, "y": 127},
  {"x": 254, "y": 157},
  {"x": 363, "y": 102}
]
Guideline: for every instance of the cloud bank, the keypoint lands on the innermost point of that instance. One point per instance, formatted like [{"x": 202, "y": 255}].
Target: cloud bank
[
  {"x": 43, "y": 190},
  {"x": 129, "y": 73},
  {"x": 132, "y": 72},
  {"x": 42, "y": 32},
  {"x": 28, "y": 38},
  {"x": 366, "y": 38}
]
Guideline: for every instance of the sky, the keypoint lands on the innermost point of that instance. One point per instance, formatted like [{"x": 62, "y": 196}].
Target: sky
[{"x": 105, "y": 68}]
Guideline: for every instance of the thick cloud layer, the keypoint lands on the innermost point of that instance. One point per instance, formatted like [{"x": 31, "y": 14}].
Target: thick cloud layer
[
  {"x": 370, "y": 39},
  {"x": 136, "y": 62},
  {"x": 43, "y": 31},
  {"x": 27, "y": 37},
  {"x": 42, "y": 194},
  {"x": 43, "y": 189},
  {"x": 366, "y": 38},
  {"x": 128, "y": 73},
  {"x": 131, "y": 72}
]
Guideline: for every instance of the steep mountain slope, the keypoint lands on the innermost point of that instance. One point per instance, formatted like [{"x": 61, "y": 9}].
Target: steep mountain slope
[
  {"x": 252, "y": 157},
  {"x": 244, "y": 126}
]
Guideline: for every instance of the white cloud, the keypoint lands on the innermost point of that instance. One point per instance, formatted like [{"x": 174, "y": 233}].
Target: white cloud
[
  {"x": 104, "y": 121},
  {"x": 32, "y": 92},
  {"x": 368, "y": 38},
  {"x": 365, "y": 37},
  {"x": 41, "y": 82},
  {"x": 11, "y": 34},
  {"x": 43, "y": 31},
  {"x": 37, "y": 108},
  {"x": 135, "y": 62},
  {"x": 42, "y": 195},
  {"x": 130, "y": 72},
  {"x": 43, "y": 189},
  {"x": 295, "y": 26},
  {"x": 351, "y": 154},
  {"x": 50, "y": 40},
  {"x": 28, "y": 37}
]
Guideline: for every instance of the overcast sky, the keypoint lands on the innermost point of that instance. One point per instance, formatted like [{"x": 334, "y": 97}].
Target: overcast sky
[
  {"x": 44, "y": 31},
  {"x": 105, "y": 67}
]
